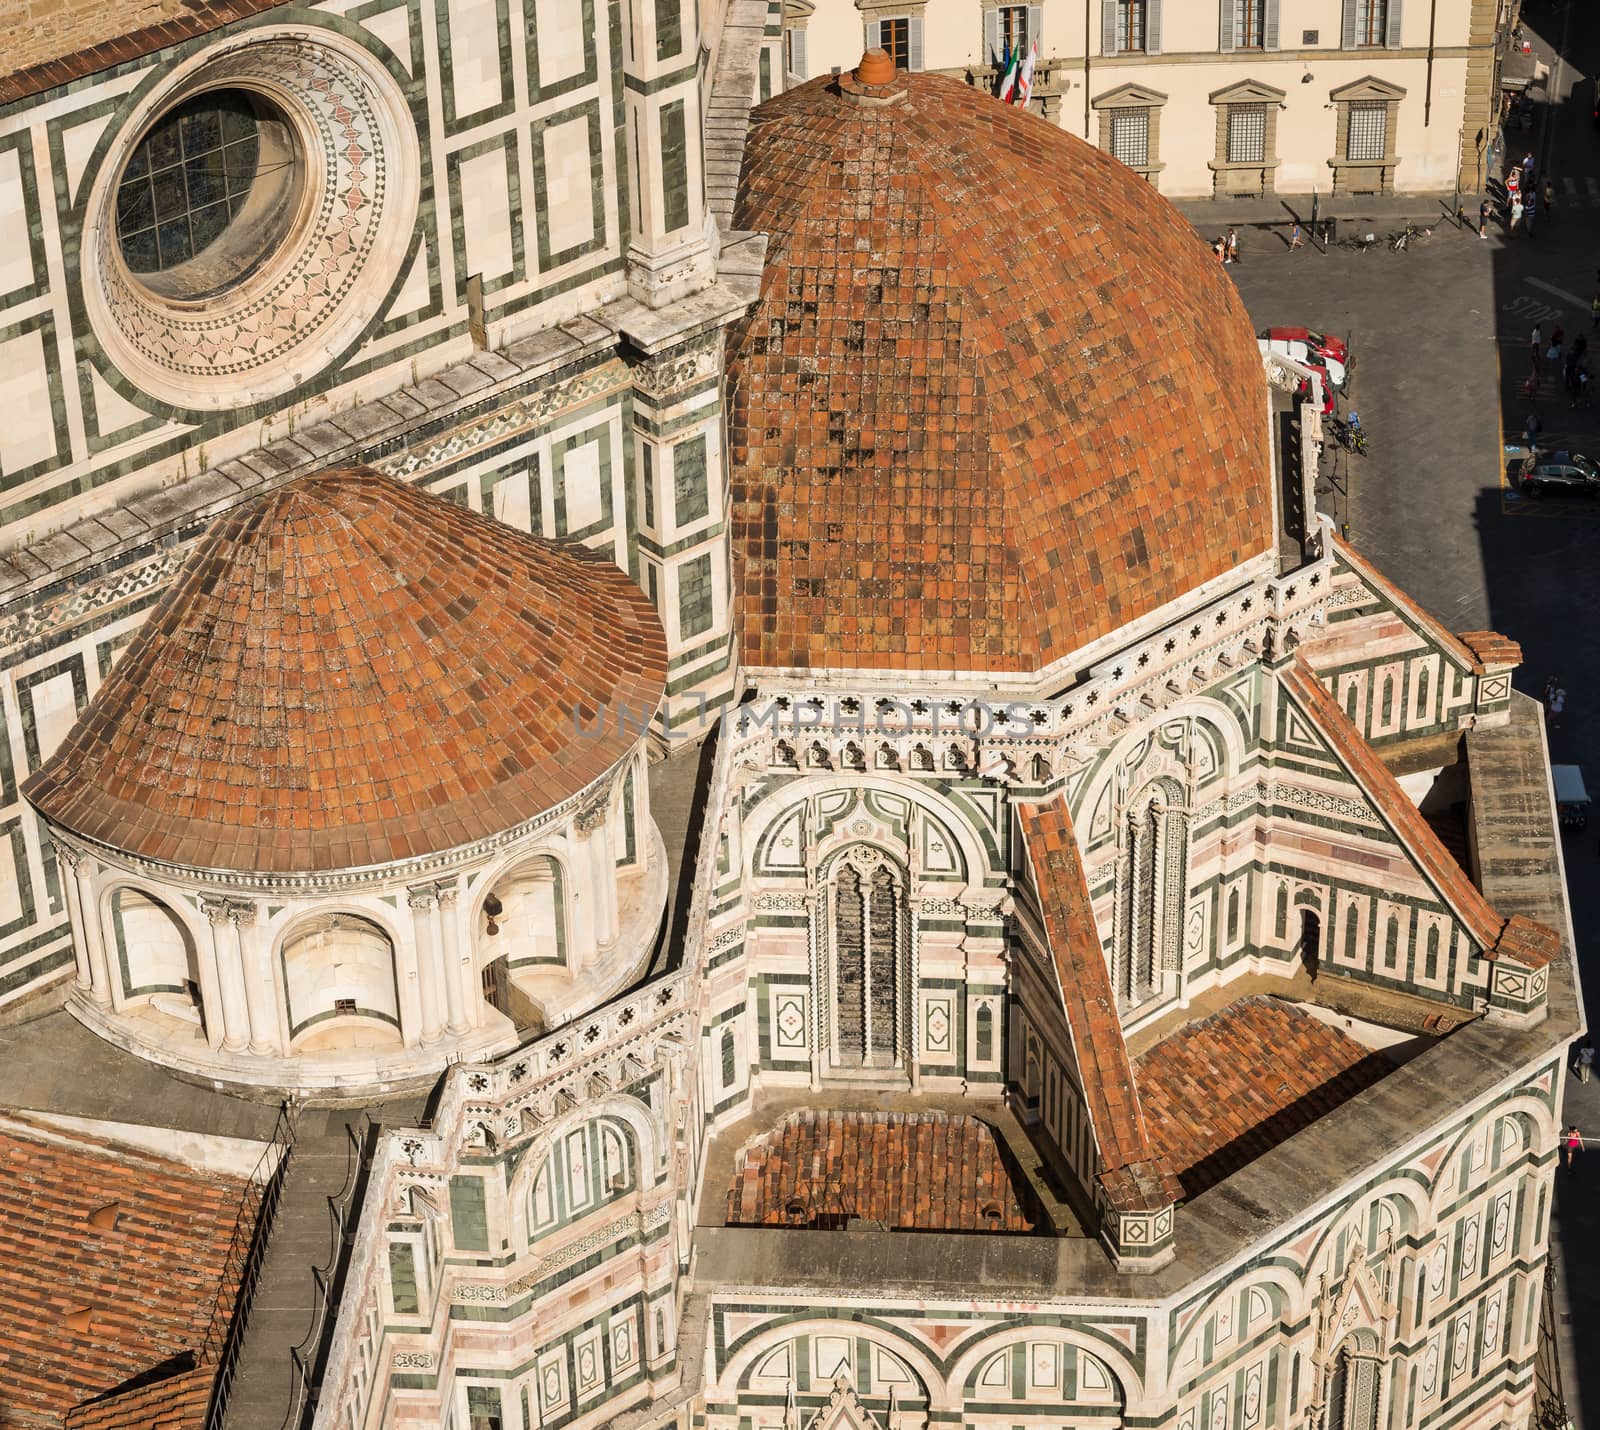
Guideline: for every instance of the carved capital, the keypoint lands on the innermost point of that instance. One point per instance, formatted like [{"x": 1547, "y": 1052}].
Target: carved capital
[
  {"x": 241, "y": 913},
  {"x": 422, "y": 898},
  {"x": 214, "y": 909},
  {"x": 67, "y": 856},
  {"x": 590, "y": 816},
  {"x": 447, "y": 894}
]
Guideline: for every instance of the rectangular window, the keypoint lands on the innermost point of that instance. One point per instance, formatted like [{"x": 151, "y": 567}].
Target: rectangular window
[
  {"x": 895, "y": 37},
  {"x": 483, "y": 1407},
  {"x": 1014, "y": 28},
  {"x": 1247, "y": 133},
  {"x": 794, "y": 53},
  {"x": 1372, "y": 22},
  {"x": 1130, "y": 137},
  {"x": 1249, "y": 24},
  {"x": 1130, "y": 25},
  {"x": 1369, "y": 130}
]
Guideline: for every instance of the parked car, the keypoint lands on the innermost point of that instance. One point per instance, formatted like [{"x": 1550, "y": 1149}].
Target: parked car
[
  {"x": 1572, "y": 796},
  {"x": 1558, "y": 473},
  {"x": 1315, "y": 349}
]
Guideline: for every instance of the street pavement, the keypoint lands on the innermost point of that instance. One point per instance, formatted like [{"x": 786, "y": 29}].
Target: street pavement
[{"x": 1441, "y": 335}]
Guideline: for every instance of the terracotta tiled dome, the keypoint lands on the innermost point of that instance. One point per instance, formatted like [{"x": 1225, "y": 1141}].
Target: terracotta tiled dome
[
  {"x": 350, "y": 671},
  {"x": 996, "y": 400}
]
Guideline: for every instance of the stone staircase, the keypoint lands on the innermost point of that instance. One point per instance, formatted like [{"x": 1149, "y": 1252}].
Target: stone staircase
[
  {"x": 733, "y": 91},
  {"x": 306, "y": 1250}
]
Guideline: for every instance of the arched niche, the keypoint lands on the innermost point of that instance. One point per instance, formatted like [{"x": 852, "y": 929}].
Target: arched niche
[
  {"x": 527, "y": 908},
  {"x": 340, "y": 978},
  {"x": 158, "y": 961}
]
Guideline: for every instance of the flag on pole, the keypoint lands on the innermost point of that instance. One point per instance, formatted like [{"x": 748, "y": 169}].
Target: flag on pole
[
  {"x": 1025, "y": 77},
  {"x": 1001, "y": 67},
  {"x": 1008, "y": 81}
]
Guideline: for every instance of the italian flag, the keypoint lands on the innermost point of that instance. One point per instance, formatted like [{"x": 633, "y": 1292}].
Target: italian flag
[
  {"x": 1025, "y": 77},
  {"x": 1006, "y": 90}
]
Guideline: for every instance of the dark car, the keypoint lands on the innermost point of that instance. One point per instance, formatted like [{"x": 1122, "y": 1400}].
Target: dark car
[{"x": 1559, "y": 473}]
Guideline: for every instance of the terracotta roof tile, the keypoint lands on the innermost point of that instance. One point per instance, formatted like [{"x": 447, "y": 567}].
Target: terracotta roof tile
[
  {"x": 83, "y": 37},
  {"x": 111, "y": 1262},
  {"x": 996, "y": 398},
  {"x": 1220, "y": 1092},
  {"x": 1528, "y": 942},
  {"x": 1104, "y": 1068},
  {"x": 1491, "y": 651},
  {"x": 1393, "y": 805},
  {"x": 350, "y": 671},
  {"x": 177, "y": 1402},
  {"x": 926, "y": 1171}
]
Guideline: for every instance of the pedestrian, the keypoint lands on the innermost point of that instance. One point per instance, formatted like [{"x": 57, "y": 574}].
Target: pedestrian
[
  {"x": 1233, "y": 246},
  {"x": 1594, "y": 309},
  {"x": 1295, "y": 240},
  {"x": 1574, "y": 1143},
  {"x": 1549, "y": 690},
  {"x": 1483, "y": 219},
  {"x": 1220, "y": 248},
  {"x": 1527, "y": 171},
  {"x": 1557, "y": 342},
  {"x": 1558, "y": 706},
  {"x": 1530, "y": 211},
  {"x": 1549, "y": 200},
  {"x": 1583, "y": 1060},
  {"x": 1516, "y": 215},
  {"x": 1530, "y": 430},
  {"x": 1536, "y": 342}
]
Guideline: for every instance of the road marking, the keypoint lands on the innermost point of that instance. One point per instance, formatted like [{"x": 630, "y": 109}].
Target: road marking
[{"x": 1560, "y": 293}]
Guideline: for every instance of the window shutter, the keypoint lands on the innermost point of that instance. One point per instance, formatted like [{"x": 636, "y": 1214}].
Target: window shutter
[
  {"x": 1348, "y": 38},
  {"x": 1108, "y": 27},
  {"x": 914, "y": 43},
  {"x": 991, "y": 36},
  {"x": 1391, "y": 34},
  {"x": 1225, "y": 12},
  {"x": 1036, "y": 27},
  {"x": 1269, "y": 29},
  {"x": 797, "y": 50},
  {"x": 1152, "y": 27},
  {"x": 873, "y": 41}
]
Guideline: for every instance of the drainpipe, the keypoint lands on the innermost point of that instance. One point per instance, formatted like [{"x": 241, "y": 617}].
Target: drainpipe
[
  {"x": 1427, "y": 92},
  {"x": 1088, "y": 10}
]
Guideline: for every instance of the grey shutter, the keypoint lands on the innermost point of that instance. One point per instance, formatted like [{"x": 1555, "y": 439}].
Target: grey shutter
[
  {"x": 914, "y": 43},
  {"x": 991, "y": 36},
  {"x": 874, "y": 40},
  {"x": 1108, "y": 27},
  {"x": 1348, "y": 38},
  {"x": 1269, "y": 29},
  {"x": 1036, "y": 27},
  {"x": 1225, "y": 22},
  {"x": 1152, "y": 27},
  {"x": 1391, "y": 34},
  {"x": 797, "y": 50}
]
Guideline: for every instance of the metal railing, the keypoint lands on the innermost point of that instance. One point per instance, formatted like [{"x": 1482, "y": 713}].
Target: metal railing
[
  {"x": 241, "y": 1267},
  {"x": 344, "y": 1210}
]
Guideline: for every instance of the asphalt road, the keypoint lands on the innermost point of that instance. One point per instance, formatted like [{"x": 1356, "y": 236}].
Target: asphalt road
[{"x": 1441, "y": 337}]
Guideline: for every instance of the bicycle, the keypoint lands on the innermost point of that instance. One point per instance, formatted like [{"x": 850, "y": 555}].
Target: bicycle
[
  {"x": 1361, "y": 243},
  {"x": 1348, "y": 435},
  {"x": 1410, "y": 234}
]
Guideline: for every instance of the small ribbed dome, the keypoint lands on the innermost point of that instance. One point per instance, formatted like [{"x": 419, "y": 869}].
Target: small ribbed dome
[
  {"x": 350, "y": 671},
  {"x": 996, "y": 400}
]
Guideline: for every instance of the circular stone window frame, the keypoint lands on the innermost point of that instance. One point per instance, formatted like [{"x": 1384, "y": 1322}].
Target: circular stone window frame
[{"x": 294, "y": 311}]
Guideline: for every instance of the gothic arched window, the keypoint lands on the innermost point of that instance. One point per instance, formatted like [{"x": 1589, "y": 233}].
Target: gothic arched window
[
  {"x": 1353, "y": 1395},
  {"x": 1153, "y": 888},
  {"x": 867, "y": 936}
]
